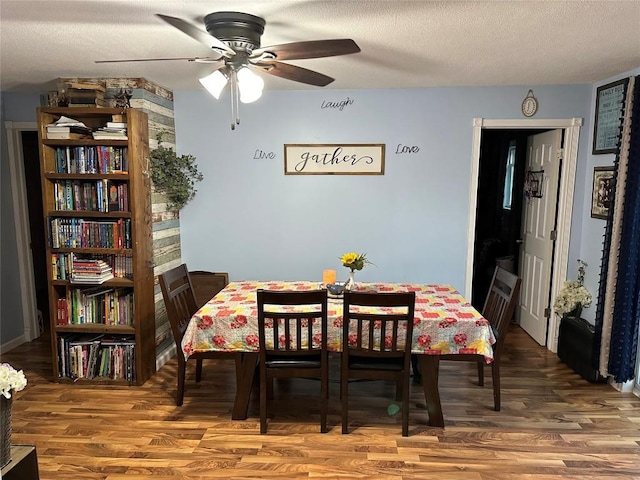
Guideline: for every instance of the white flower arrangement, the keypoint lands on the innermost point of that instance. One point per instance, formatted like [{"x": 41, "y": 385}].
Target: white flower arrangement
[
  {"x": 11, "y": 379},
  {"x": 573, "y": 293}
]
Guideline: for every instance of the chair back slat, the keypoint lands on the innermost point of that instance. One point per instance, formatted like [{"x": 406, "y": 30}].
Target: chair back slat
[
  {"x": 501, "y": 302},
  {"x": 288, "y": 331},
  {"x": 387, "y": 333}
]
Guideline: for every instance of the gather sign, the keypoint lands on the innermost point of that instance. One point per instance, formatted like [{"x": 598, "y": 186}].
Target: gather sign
[{"x": 334, "y": 159}]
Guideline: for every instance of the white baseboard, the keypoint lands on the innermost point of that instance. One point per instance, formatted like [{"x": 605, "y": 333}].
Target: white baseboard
[
  {"x": 11, "y": 344},
  {"x": 625, "y": 387}
]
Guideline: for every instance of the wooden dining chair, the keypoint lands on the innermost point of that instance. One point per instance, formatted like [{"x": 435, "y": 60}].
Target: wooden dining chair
[
  {"x": 180, "y": 302},
  {"x": 207, "y": 284},
  {"x": 377, "y": 345},
  {"x": 499, "y": 308},
  {"x": 293, "y": 343}
]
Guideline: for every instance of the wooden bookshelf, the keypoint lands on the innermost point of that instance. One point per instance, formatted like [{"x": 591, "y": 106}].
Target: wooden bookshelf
[{"x": 79, "y": 178}]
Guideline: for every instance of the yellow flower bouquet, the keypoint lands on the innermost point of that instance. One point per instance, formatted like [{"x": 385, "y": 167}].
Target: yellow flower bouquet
[{"x": 355, "y": 261}]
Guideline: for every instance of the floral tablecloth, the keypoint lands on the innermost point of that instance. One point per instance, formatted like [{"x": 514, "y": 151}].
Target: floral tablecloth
[{"x": 444, "y": 323}]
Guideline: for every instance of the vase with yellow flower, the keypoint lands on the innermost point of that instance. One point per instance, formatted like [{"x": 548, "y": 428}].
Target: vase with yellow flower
[{"x": 354, "y": 261}]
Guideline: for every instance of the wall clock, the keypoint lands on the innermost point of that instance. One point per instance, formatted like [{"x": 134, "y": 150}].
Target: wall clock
[{"x": 529, "y": 105}]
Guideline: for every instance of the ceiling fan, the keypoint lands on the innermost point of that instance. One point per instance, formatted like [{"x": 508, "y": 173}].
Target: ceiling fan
[{"x": 234, "y": 38}]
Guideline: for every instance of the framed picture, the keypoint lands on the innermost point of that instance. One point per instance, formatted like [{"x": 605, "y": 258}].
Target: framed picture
[
  {"x": 602, "y": 194},
  {"x": 609, "y": 107},
  {"x": 334, "y": 159}
]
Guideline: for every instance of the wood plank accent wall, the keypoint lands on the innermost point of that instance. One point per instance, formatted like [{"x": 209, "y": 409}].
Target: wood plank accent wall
[{"x": 157, "y": 102}]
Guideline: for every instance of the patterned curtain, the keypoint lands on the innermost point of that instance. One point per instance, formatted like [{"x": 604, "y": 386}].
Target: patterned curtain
[{"x": 618, "y": 309}]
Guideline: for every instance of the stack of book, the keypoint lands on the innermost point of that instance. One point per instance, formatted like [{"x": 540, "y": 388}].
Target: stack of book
[
  {"x": 66, "y": 127},
  {"x": 85, "y": 95},
  {"x": 112, "y": 131},
  {"x": 90, "y": 271}
]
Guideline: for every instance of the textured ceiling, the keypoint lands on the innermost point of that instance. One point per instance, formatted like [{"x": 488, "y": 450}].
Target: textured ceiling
[{"x": 404, "y": 43}]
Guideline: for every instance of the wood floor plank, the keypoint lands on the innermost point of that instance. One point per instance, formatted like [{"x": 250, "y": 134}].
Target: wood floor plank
[{"x": 553, "y": 425}]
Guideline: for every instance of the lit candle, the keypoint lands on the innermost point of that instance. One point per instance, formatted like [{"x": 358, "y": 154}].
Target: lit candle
[{"x": 328, "y": 277}]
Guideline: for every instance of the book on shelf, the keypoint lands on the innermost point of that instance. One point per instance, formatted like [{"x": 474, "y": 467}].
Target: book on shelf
[
  {"x": 67, "y": 128},
  {"x": 80, "y": 278},
  {"x": 68, "y": 122},
  {"x": 112, "y": 131},
  {"x": 90, "y": 104},
  {"x": 118, "y": 340},
  {"x": 83, "y": 93},
  {"x": 91, "y": 159},
  {"x": 116, "y": 196},
  {"x": 97, "y": 87},
  {"x": 109, "y": 136},
  {"x": 62, "y": 311},
  {"x": 86, "y": 279},
  {"x": 90, "y": 271},
  {"x": 67, "y": 135},
  {"x": 81, "y": 233},
  {"x": 96, "y": 355}
]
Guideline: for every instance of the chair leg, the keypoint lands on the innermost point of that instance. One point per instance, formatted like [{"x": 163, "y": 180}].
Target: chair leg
[
  {"x": 263, "y": 401},
  {"x": 495, "y": 376},
  {"x": 270, "y": 389},
  {"x": 480, "y": 373},
  {"x": 399, "y": 388},
  {"x": 405, "y": 407},
  {"x": 198, "y": 370},
  {"x": 344, "y": 390},
  {"x": 324, "y": 398},
  {"x": 182, "y": 368}
]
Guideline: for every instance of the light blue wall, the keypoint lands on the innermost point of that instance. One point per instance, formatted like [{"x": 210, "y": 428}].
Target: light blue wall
[{"x": 251, "y": 220}]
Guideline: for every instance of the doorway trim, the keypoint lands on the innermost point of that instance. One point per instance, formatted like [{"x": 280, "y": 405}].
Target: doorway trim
[
  {"x": 23, "y": 233},
  {"x": 571, "y": 127}
]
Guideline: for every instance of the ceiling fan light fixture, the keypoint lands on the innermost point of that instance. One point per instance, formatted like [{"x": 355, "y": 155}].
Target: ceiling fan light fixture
[
  {"x": 249, "y": 84},
  {"x": 214, "y": 83}
]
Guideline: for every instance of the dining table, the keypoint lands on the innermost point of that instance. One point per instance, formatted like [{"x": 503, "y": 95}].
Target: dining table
[{"x": 445, "y": 323}]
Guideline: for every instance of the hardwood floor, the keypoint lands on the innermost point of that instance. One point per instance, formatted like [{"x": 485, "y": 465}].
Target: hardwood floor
[{"x": 553, "y": 425}]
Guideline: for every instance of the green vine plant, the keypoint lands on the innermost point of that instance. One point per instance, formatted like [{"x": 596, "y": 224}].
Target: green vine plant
[{"x": 174, "y": 175}]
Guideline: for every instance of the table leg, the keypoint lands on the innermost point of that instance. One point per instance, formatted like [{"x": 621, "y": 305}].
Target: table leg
[
  {"x": 245, "y": 369},
  {"x": 430, "y": 365}
]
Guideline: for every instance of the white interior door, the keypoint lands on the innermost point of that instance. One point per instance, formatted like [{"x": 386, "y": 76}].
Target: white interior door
[{"x": 539, "y": 220}]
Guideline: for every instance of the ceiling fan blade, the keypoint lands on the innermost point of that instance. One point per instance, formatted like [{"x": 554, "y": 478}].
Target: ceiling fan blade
[
  {"x": 292, "y": 72},
  {"x": 197, "y": 34},
  {"x": 189, "y": 59},
  {"x": 310, "y": 49}
]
